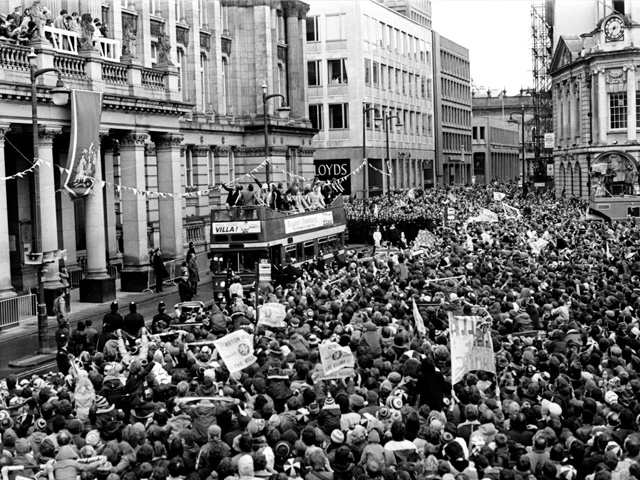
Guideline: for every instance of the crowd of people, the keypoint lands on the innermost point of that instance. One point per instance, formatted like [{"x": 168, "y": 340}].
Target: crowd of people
[
  {"x": 292, "y": 198},
  {"x": 21, "y": 27},
  {"x": 561, "y": 298}
]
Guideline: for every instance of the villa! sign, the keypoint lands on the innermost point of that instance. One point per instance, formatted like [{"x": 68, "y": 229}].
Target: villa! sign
[{"x": 235, "y": 227}]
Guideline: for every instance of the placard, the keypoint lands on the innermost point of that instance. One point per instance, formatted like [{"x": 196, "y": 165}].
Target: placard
[
  {"x": 264, "y": 271},
  {"x": 236, "y": 350},
  {"x": 307, "y": 222},
  {"x": 272, "y": 315},
  {"x": 221, "y": 228},
  {"x": 471, "y": 346},
  {"x": 334, "y": 357}
]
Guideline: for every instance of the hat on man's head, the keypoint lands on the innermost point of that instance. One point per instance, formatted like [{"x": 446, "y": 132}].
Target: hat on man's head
[
  {"x": 161, "y": 306},
  {"x": 337, "y": 437}
]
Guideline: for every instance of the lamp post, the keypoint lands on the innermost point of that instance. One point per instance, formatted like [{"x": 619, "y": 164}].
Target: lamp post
[
  {"x": 59, "y": 96},
  {"x": 365, "y": 110},
  {"x": 284, "y": 114},
  {"x": 511, "y": 120},
  {"x": 386, "y": 118}
]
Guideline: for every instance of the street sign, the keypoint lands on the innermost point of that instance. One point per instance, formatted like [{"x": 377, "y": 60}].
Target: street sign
[
  {"x": 264, "y": 271},
  {"x": 549, "y": 140}
]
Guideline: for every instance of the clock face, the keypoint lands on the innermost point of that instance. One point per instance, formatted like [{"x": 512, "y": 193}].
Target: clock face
[{"x": 614, "y": 28}]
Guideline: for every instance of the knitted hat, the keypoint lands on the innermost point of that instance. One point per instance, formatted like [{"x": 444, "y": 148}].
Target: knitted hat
[
  {"x": 396, "y": 403},
  {"x": 313, "y": 340},
  {"x": 40, "y": 425},
  {"x": 93, "y": 438},
  {"x": 329, "y": 403},
  {"x": 293, "y": 467},
  {"x": 102, "y": 405},
  {"x": 275, "y": 420},
  {"x": 356, "y": 401},
  {"x": 282, "y": 449},
  {"x": 337, "y": 437},
  {"x": 314, "y": 408},
  {"x": 302, "y": 415}
]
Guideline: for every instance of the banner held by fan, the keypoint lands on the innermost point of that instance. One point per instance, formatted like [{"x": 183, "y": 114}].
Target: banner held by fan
[{"x": 84, "y": 148}]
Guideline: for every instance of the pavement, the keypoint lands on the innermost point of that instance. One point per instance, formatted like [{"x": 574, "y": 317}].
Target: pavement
[{"x": 19, "y": 344}]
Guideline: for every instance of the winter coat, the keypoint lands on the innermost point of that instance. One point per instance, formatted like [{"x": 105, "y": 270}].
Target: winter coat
[
  {"x": 372, "y": 339},
  {"x": 278, "y": 386},
  {"x": 218, "y": 322}
]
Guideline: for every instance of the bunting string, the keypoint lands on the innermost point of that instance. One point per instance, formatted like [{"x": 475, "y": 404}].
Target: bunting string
[{"x": 336, "y": 183}]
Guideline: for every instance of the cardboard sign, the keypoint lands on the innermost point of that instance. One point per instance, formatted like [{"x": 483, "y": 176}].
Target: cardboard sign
[
  {"x": 236, "y": 350},
  {"x": 334, "y": 357},
  {"x": 272, "y": 315}
]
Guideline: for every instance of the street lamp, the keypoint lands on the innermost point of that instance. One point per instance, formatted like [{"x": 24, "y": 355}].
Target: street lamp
[
  {"x": 365, "y": 184},
  {"x": 284, "y": 112},
  {"x": 59, "y": 96},
  {"x": 386, "y": 118},
  {"x": 512, "y": 120}
]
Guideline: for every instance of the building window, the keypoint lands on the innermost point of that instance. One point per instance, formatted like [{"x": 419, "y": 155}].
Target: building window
[
  {"x": 225, "y": 85},
  {"x": 211, "y": 168},
  {"x": 481, "y": 132},
  {"x": 335, "y": 27},
  {"x": 376, "y": 74},
  {"x": 339, "y": 116},
  {"x": 154, "y": 7},
  {"x": 154, "y": 52},
  {"x": 367, "y": 71},
  {"x": 313, "y": 73},
  {"x": 282, "y": 80},
  {"x": 204, "y": 83},
  {"x": 224, "y": 19},
  {"x": 383, "y": 79},
  {"x": 188, "y": 167},
  {"x": 282, "y": 29},
  {"x": 315, "y": 115},
  {"x": 617, "y": 110},
  {"x": 182, "y": 72},
  {"x": 337, "y": 71},
  {"x": 638, "y": 107},
  {"x": 429, "y": 125},
  {"x": 313, "y": 32}
]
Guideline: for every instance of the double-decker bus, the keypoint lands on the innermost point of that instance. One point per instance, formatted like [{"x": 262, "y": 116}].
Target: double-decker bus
[{"x": 244, "y": 237}]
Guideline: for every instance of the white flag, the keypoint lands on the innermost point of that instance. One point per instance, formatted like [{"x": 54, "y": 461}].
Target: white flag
[
  {"x": 417, "y": 318},
  {"x": 236, "y": 350},
  {"x": 471, "y": 346},
  {"x": 334, "y": 357},
  {"x": 498, "y": 197}
]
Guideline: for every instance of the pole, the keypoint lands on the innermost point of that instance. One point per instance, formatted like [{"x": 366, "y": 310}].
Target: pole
[
  {"x": 386, "y": 133},
  {"x": 267, "y": 168},
  {"x": 43, "y": 333},
  {"x": 524, "y": 188}
]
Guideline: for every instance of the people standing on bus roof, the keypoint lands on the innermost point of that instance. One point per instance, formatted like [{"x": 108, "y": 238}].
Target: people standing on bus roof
[{"x": 234, "y": 198}]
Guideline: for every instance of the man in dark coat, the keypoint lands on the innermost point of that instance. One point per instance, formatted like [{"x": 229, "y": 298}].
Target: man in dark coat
[
  {"x": 159, "y": 269},
  {"x": 113, "y": 318},
  {"x": 160, "y": 317},
  {"x": 133, "y": 321}
]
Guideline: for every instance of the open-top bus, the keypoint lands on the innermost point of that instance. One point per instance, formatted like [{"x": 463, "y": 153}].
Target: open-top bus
[{"x": 244, "y": 237}]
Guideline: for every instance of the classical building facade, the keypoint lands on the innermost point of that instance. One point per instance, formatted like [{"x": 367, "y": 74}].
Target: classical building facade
[
  {"x": 596, "y": 116},
  {"x": 365, "y": 59},
  {"x": 452, "y": 80},
  {"x": 182, "y": 84}
]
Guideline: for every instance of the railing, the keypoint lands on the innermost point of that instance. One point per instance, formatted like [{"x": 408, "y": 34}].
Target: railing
[
  {"x": 194, "y": 232},
  {"x": 14, "y": 57},
  {"x": 113, "y": 73},
  {"x": 13, "y": 310},
  {"x": 68, "y": 42},
  {"x": 75, "y": 275},
  {"x": 62, "y": 40},
  {"x": 109, "y": 49},
  {"x": 152, "y": 79},
  {"x": 70, "y": 66}
]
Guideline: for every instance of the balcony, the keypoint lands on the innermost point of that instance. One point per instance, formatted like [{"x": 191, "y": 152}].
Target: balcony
[{"x": 102, "y": 71}]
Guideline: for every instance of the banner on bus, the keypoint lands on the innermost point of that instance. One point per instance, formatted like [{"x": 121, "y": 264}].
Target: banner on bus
[
  {"x": 334, "y": 357},
  {"x": 236, "y": 350},
  {"x": 272, "y": 315},
  {"x": 471, "y": 346},
  {"x": 235, "y": 227},
  {"x": 298, "y": 224}
]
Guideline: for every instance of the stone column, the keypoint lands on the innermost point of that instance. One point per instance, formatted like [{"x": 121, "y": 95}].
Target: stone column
[
  {"x": 134, "y": 275},
  {"x": 97, "y": 286},
  {"x": 603, "y": 105},
  {"x": 631, "y": 103},
  {"x": 169, "y": 181},
  {"x": 6, "y": 289},
  {"x": 295, "y": 13},
  {"x": 47, "y": 208},
  {"x": 108, "y": 149}
]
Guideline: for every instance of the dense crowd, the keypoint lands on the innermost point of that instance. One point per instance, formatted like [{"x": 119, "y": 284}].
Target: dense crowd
[{"x": 561, "y": 296}]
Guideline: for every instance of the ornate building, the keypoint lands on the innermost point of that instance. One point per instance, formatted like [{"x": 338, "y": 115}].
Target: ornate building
[
  {"x": 596, "y": 108},
  {"x": 182, "y": 84}
]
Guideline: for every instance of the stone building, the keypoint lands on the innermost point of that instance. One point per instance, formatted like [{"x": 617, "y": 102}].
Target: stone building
[{"x": 182, "y": 112}]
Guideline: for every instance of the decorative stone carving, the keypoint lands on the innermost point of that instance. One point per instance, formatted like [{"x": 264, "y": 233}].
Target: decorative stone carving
[
  {"x": 225, "y": 45},
  {"x": 164, "y": 48},
  {"x": 306, "y": 152},
  {"x": 200, "y": 150},
  {"x": 597, "y": 70},
  {"x": 615, "y": 76},
  {"x": 205, "y": 41},
  {"x": 87, "y": 29},
  {"x": 156, "y": 27},
  {"x": 220, "y": 151},
  {"x": 149, "y": 149},
  {"x": 250, "y": 151},
  {"x": 182, "y": 35},
  {"x": 295, "y": 9},
  {"x": 4, "y": 129},
  {"x": 129, "y": 34},
  {"x": 168, "y": 141},
  {"x": 134, "y": 140},
  {"x": 39, "y": 18},
  {"x": 47, "y": 135}
]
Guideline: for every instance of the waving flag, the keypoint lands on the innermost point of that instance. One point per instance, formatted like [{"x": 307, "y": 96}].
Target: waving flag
[
  {"x": 417, "y": 318},
  {"x": 334, "y": 357},
  {"x": 498, "y": 197}
]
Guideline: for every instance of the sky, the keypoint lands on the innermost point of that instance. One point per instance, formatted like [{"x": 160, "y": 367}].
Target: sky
[{"x": 498, "y": 36}]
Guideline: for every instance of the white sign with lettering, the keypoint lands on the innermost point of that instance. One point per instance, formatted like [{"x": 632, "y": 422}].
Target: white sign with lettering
[
  {"x": 298, "y": 224},
  {"x": 235, "y": 227}
]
